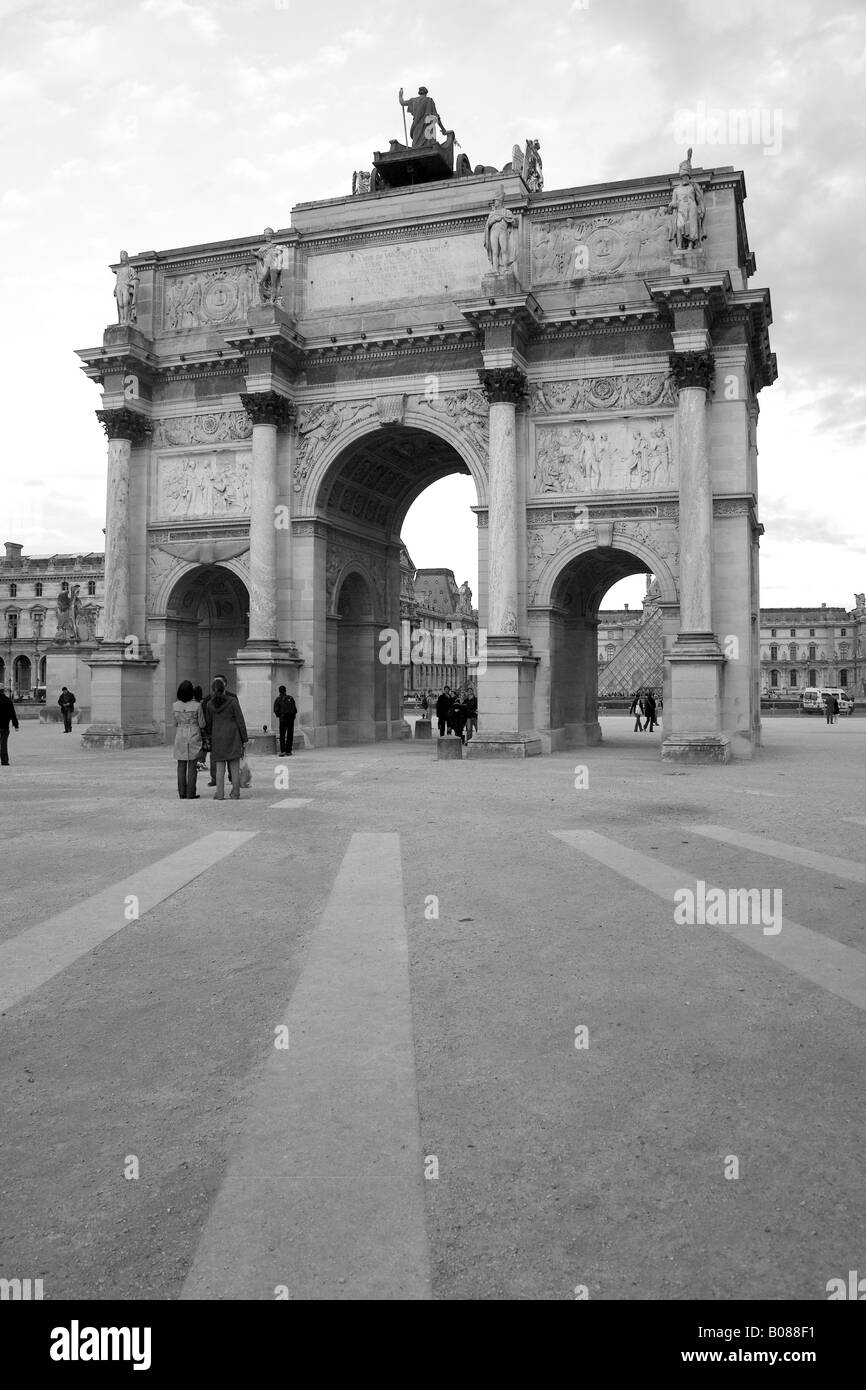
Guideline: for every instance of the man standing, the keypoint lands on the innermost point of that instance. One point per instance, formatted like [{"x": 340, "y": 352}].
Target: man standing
[
  {"x": 425, "y": 118},
  {"x": 831, "y": 705},
  {"x": 204, "y": 705},
  {"x": 7, "y": 717},
  {"x": 285, "y": 709},
  {"x": 443, "y": 706},
  {"x": 67, "y": 708}
]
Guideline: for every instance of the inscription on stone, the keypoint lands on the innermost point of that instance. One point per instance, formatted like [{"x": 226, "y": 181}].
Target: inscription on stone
[{"x": 377, "y": 274}]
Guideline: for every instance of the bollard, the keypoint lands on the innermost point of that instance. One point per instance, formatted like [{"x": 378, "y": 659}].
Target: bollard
[
  {"x": 423, "y": 729},
  {"x": 449, "y": 748}
]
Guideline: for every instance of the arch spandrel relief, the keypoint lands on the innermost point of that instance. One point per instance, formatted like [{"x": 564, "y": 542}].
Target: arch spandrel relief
[
  {"x": 595, "y": 248},
  {"x": 210, "y": 298},
  {"x": 204, "y": 485}
]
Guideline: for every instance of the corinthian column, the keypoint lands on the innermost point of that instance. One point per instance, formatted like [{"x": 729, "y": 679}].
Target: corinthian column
[
  {"x": 504, "y": 388},
  {"x": 693, "y": 373},
  {"x": 123, "y": 428},
  {"x": 269, "y": 412}
]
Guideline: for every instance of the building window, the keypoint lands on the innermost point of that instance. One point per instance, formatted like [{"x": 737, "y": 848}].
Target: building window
[
  {"x": 793, "y": 680},
  {"x": 843, "y": 632},
  {"x": 792, "y": 651},
  {"x": 39, "y": 588},
  {"x": 843, "y": 677},
  {"x": 12, "y": 624},
  {"x": 811, "y": 632},
  {"x": 774, "y": 653},
  {"x": 91, "y": 588},
  {"x": 843, "y": 651},
  {"x": 813, "y": 678},
  {"x": 38, "y": 620},
  {"x": 13, "y": 590},
  {"x": 774, "y": 679},
  {"x": 813, "y": 652},
  {"x": 772, "y": 632},
  {"x": 793, "y": 632}
]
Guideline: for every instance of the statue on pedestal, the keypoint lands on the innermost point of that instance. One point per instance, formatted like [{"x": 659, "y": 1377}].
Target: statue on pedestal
[
  {"x": 497, "y": 236},
  {"x": 125, "y": 290},
  {"x": 68, "y": 610},
  {"x": 531, "y": 170},
  {"x": 687, "y": 206},
  {"x": 271, "y": 260},
  {"x": 464, "y": 603},
  {"x": 425, "y": 118}
]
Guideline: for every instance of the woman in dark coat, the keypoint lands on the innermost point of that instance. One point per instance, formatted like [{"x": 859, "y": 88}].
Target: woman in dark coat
[{"x": 227, "y": 735}]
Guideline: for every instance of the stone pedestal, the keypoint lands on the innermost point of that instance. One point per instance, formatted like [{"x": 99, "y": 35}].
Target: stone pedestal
[
  {"x": 505, "y": 701},
  {"x": 70, "y": 666},
  {"x": 121, "y": 700},
  {"x": 423, "y": 729},
  {"x": 449, "y": 749},
  {"x": 260, "y": 669}
]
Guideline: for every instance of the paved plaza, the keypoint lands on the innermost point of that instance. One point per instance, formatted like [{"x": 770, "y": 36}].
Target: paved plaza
[{"x": 420, "y": 1029}]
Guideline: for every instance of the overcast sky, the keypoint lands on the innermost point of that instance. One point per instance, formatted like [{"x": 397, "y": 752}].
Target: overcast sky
[{"x": 150, "y": 124}]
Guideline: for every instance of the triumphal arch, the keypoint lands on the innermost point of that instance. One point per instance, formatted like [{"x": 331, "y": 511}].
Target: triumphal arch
[{"x": 590, "y": 356}]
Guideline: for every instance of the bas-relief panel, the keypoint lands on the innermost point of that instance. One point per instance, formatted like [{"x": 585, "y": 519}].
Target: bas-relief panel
[
  {"x": 621, "y": 244},
  {"x": 209, "y": 297},
  {"x": 424, "y": 269},
  {"x": 616, "y": 456},
  {"x": 210, "y": 485}
]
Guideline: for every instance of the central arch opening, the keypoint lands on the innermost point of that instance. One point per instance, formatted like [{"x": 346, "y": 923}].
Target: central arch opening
[
  {"x": 392, "y": 626},
  {"x": 207, "y": 621}
]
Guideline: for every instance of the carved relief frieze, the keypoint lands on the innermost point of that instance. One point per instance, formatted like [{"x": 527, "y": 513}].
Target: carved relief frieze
[
  {"x": 624, "y": 456},
  {"x": 319, "y": 426},
  {"x": 596, "y": 248},
  {"x": 216, "y": 427},
  {"x": 209, "y": 298},
  {"x": 215, "y": 484},
  {"x": 468, "y": 410},
  {"x": 618, "y": 391}
]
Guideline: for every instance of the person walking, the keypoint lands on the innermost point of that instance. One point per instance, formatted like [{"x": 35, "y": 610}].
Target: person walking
[
  {"x": 7, "y": 717},
  {"x": 831, "y": 706},
  {"x": 649, "y": 704},
  {"x": 67, "y": 706},
  {"x": 227, "y": 735},
  {"x": 286, "y": 710},
  {"x": 443, "y": 705},
  {"x": 637, "y": 710},
  {"x": 457, "y": 719},
  {"x": 188, "y": 742}
]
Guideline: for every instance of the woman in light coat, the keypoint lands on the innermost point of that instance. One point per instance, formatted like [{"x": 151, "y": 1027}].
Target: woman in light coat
[{"x": 188, "y": 741}]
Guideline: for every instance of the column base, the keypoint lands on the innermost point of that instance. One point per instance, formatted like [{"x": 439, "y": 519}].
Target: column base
[
  {"x": 262, "y": 666},
  {"x": 696, "y": 748},
  {"x": 121, "y": 701},
  {"x": 501, "y": 744}
]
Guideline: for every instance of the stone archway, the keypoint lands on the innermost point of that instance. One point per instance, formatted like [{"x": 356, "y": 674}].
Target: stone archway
[
  {"x": 22, "y": 677},
  {"x": 565, "y": 631},
  {"x": 205, "y": 624},
  {"x": 351, "y": 553}
]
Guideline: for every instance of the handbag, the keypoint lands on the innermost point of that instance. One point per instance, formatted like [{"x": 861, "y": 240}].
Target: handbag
[{"x": 245, "y": 775}]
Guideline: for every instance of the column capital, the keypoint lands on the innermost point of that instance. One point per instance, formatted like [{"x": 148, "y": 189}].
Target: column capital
[
  {"x": 125, "y": 424},
  {"x": 268, "y": 408},
  {"x": 503, "y": 384},
  {"x": 692, "y": 369}
]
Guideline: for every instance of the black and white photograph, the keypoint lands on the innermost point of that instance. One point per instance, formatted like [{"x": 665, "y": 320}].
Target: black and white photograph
[{"x": 384, "y": 387}]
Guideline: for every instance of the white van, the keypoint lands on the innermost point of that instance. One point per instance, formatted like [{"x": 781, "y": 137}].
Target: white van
[{"x": 846, "y": 704}]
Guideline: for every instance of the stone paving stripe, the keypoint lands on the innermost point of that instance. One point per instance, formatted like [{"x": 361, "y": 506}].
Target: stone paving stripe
[
  {"x": 792, "y": 854},
  {"x": 44, "y": 950},
  {"x": 291, "y": 801},
  {"x": 324, "y": 1194},
  {"x": 817, "y": 958},
  {"x": 854, "y": 820},
  {"x": 751, "y": 791}
]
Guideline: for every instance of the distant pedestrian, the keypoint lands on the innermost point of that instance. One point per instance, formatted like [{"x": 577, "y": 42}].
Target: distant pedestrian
[
  {"x": 443, "y": 705},
  {"x": 471, "y": 704},
  {"x": 831, "y": 707},
  {"x": 227, "y": 735},
  {"x": 7, "y": 717},
  {"x": 286, "y": 711},
  {"x": 457, "y": 719},
  {"x": 67, "y": 708},
  {"x": 188, "y": 740},
  {"x": 637, "y": 710},
  {"x": 649, "y": 705}
]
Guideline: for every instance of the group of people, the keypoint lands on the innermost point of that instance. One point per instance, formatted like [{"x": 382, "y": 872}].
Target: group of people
[
  {"x": 456, "y": 711},
  {"x": 643, "y": 706},
  {"x": 208, "y": 726},
  {"x": 831, "y": 708}
]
